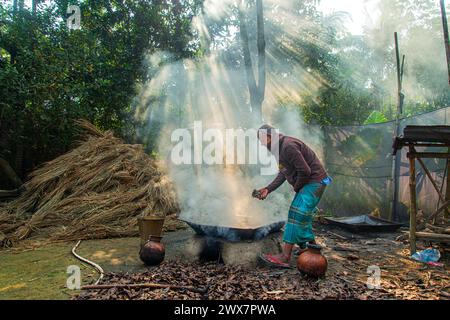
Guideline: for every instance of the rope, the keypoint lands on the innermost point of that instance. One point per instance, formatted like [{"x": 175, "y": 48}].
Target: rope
[{"x": 96, "y": 266}]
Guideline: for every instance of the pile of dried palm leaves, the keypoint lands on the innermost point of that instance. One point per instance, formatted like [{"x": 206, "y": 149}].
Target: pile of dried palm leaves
[{"x": 94, "y": 191}]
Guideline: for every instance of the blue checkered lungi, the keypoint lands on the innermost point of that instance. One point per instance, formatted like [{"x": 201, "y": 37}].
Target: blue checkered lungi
[{"x": 298, "y": 229}]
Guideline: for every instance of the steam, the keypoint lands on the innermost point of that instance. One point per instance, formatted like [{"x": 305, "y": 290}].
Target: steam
[
  {"x": 207, "y": 91},
  {"x": 213, "y": 90}
]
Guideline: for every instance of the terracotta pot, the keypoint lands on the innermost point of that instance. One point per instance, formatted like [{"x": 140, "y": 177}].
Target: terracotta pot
[
  {"x": 311, "y": 262},
  {"x": 152, "y": 253}
]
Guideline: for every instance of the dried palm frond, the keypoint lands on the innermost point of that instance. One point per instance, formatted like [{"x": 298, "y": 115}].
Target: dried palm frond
[{"x": 97, "y": 190}]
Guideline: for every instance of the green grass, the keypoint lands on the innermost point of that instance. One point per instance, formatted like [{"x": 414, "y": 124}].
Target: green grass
[{"x": 42, "y": 273}]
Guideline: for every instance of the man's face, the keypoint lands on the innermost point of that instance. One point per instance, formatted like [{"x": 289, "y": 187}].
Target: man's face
[{"x": 265, "y": 139}]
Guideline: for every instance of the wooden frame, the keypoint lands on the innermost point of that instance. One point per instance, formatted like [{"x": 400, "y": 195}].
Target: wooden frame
[{"x": 413, "y": 155}]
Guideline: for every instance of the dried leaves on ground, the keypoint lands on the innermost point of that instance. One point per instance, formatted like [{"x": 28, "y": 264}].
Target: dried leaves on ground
[
  {"x": 353, "y": 261},
  {"x": 225, "y": 282}
]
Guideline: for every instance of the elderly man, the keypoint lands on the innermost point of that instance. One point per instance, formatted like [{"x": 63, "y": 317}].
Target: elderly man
[{"x": 300, "y": 166}]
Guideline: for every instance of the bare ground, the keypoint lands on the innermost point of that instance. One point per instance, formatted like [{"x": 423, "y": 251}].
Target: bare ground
[
  {"x": 31, "y": 272},
  {"x": 350, "y": 256}
]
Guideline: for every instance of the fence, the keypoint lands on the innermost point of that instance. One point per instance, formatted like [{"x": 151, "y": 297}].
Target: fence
[{"x": 359, "y": 158}]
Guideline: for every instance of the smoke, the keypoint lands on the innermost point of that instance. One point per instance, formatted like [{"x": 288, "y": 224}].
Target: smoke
[
  {"x": 419, "y": 28},
  {"x": 213, "y": 89}
]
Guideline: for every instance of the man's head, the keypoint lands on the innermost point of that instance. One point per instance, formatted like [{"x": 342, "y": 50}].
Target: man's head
[{"x": 265, "y": 134}]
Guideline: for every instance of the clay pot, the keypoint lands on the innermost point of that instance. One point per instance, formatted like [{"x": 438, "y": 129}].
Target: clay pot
[
  {"x": 153, "y": 251},
  {"x": 311, "y": 262}
]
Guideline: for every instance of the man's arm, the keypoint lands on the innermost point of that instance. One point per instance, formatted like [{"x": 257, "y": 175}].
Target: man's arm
[
  {"x": 296, "y": 159},
  {"x": 278, "y": 181}
]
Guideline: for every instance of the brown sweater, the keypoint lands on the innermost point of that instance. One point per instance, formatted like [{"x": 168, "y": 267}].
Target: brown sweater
[{"x": 298, "y": 164}]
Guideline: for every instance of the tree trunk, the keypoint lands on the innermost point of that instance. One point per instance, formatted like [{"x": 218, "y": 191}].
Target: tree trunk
[
  {"x": 19, "y": 157},
  {"x": 261, "y": 42},
  {"x": 13, "y": 49},
  {"x": 256, "y": 90},
  {"x": 6, "y": 170},
  {"x": 446, "y": 36},
  {"x": 34, "y": 6},
  {"x": 10, "y": 194}
]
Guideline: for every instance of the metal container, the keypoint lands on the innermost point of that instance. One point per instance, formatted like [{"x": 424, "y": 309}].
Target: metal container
[
  {"x": 364, "y": 223},
  {"x": 150, "y": 226},
  {"x": 233, "y": 234}
]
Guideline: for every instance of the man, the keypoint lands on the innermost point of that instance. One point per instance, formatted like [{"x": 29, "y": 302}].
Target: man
[{"x": 300, "y": 166}]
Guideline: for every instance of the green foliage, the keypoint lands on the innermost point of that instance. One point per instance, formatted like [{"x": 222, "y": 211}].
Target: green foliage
[
  {"x": 50, "y": 75},
  {"x": 357, "y": 74},
  {"x": 375, "y": 117}
]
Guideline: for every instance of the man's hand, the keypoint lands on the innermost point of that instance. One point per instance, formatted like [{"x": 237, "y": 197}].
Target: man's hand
[{"x": 263, "y": 193}]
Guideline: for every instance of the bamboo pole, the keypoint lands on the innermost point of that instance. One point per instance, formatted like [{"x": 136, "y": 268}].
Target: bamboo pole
[
  {"x": 434, "y": 215},
  {"x": 446, "y": 36},
  {"x": 433, "y": 236},
  {"x": 428, "y": 173},
  {"x": 396, "y": 161},
  {"x": 442, "y": 186},
  {"x": 436, "y": 187},
  {"x": 413, "y": 204},
  {"x": 434, "y": 155},
  {"x": 447, "y": 191}
]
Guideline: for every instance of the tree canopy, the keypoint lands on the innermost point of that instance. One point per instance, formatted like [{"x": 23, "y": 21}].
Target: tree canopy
[{"x": 51, "y": 75}]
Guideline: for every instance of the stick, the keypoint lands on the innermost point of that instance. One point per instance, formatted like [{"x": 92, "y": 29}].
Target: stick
[
  {"x": 427, "y": 172},
  {"x": 413, "y": 203},
  {"x": 337, "y": 235},
  {"x": 339, "y": 248},
  {"x": 144, "y": 285},
  {"x": 433, "y": 236},
  {"x": 442, "y": 208}
]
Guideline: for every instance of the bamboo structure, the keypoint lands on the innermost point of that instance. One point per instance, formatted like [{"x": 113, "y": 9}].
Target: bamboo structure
[
  {"x": 430, "y": 137},
  {"x": 447, "y": 193}
]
